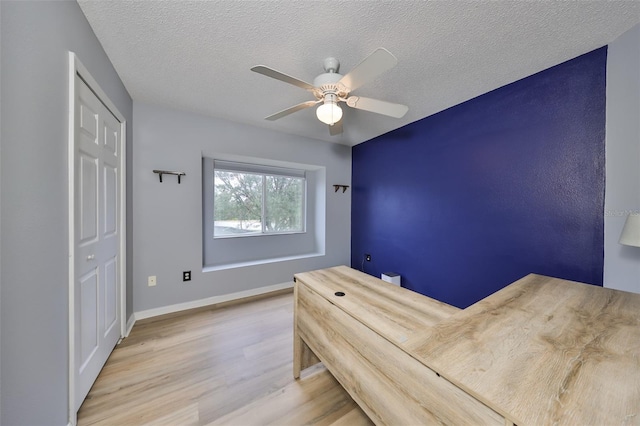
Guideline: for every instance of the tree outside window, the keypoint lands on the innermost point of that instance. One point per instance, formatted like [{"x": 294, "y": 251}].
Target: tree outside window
[{"x": 257, "y": 203}]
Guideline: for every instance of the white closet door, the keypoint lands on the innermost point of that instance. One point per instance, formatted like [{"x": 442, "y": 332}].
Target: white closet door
[{"x": 97, "y": 231}]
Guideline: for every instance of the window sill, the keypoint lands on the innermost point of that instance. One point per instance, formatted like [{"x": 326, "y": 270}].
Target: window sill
[
  {"x": 259, "y": 262},
  {"x": 257, "y": 234}
]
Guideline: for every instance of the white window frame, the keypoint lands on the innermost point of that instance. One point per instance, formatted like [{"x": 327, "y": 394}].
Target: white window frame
[
  {"x": 219, "y": 254},
  {"x": 264, "y": 171}
]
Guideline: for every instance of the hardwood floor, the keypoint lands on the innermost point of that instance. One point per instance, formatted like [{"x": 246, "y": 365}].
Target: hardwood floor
[
  {"x": 228, "y": 365},
  {"x": 317, "y": 399}
]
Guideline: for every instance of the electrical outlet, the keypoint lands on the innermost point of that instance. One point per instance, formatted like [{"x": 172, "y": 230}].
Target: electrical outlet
[
  {"x": 367, "y": 257},
  {"x": 186, "y": 276},
  {"x": 151, "y": 281}
]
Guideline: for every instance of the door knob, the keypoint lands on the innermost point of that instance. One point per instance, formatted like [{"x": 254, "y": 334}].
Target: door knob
[{"x": 91, "y": 257}]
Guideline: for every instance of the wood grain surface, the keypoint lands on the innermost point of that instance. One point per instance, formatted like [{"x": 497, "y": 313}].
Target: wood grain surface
[
  {"x": 303, "y": 356},
  {"x": 545, "y": 351},
  {"x": 315, "y": 400},
  {"x": 194, "y": 367},
  {"x": 542, "y": 351},
  {"x": 394, "y": 312},
  {"x": 389, "y": 385}
]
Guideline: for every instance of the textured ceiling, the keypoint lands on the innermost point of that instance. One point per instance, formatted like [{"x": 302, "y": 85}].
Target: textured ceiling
[{"x": 196, "y": 56}]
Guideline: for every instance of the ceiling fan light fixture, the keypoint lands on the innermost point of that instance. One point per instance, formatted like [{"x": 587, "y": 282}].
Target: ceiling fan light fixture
[
  {"x": 329, "y": 112},
  {"x": 331, "y": 88}
]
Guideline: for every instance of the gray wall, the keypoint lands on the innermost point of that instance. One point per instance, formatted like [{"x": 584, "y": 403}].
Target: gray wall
[
  {"x": 622, "y": 194},
  {"x": 36, "y": 38},
  {"x": 168, "y": 216},
  {"x": 0, "y": 221}
]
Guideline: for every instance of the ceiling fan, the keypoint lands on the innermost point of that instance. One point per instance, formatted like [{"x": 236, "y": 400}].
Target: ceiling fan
[{"x": 331, "y": 88}]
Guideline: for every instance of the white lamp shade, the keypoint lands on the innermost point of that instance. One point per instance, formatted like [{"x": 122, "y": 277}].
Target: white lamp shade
[
  {"x": 631, "y": 232},
  {"x": 329, "y": 113}
]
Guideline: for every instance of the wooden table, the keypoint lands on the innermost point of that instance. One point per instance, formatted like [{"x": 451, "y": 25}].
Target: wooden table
[{"x": 540, "y": 351}]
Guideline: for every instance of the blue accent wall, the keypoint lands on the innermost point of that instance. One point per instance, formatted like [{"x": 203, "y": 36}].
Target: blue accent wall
[{"x": 470, "y": 199}]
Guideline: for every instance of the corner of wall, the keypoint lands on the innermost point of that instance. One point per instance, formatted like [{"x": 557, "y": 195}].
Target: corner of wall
[{"x": 622, "y": 194}]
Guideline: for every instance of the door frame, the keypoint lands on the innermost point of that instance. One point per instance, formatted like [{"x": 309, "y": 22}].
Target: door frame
[{"x": 77, "y": 68}]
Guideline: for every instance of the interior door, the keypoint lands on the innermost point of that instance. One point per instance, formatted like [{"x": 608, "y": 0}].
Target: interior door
[{"x": 97, "y": 230}]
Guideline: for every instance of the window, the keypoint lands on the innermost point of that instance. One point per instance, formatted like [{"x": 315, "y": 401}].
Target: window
[
  {"x": 246, "y": 245},
  {"x": 252, "y": 199}
]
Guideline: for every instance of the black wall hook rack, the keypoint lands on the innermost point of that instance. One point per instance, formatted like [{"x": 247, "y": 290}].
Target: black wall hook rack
[
  {"x": 169, "y": 172},
  {"x": 344, "y": 188}
]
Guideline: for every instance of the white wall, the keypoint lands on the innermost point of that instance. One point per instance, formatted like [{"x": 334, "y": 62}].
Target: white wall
[
  {"x": 622, "y": 193},
  {"x": 36, "y": 38},
  {"x": 168, "y": 215}
]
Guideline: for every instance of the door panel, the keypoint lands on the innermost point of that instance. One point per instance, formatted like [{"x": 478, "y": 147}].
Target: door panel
[
  {"x": 110, "y": 294},
  {"x": 89, "y": 121},
  {"x": 88, "y": 198},
  {"x": 111, "y": 200},
  {"x": 88, "y": 312},
  {"x": 97, "y": 288},
  {"x": 111, "y": 136}
]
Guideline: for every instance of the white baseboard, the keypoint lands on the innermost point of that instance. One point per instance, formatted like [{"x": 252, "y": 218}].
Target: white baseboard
[
  {"x": 149, "y": 313},
  {"x": 130, "y": 323}
]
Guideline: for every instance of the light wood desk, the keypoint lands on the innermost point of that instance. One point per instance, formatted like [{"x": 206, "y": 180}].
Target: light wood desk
[{"x": 540, "y": 351}]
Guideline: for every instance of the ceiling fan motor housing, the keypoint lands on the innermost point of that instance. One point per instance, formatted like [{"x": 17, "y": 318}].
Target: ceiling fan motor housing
[{"x": 327, "y": 83}]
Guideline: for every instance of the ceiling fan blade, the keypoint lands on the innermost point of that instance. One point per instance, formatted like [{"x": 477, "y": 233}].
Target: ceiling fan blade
[
  {"x": 372, "y": 66},
  {"x": 291, "y": 110},
  {"x": 270, "y": 72},
  {"x": 379, "y": 107},
  {"x": 336, "y": 129}
]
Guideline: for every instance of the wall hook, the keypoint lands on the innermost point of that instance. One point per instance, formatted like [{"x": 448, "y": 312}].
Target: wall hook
[{"x": 344, "y": 188}]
